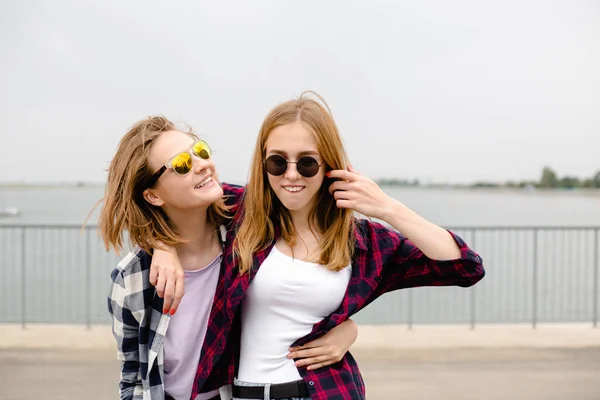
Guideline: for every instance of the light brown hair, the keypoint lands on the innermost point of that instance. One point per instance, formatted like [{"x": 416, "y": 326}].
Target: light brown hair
[
  {"x": 262, "y": 207},
  {"x": 125, "y": 209}
]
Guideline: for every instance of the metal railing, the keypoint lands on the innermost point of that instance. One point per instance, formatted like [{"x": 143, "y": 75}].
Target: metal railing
[{"x": 61, "y": 274}]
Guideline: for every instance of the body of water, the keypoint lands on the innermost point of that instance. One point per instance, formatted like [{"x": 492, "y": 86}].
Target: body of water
[
  {"x": 543, "y": 274},
  {"x": 446, "y": 207}
]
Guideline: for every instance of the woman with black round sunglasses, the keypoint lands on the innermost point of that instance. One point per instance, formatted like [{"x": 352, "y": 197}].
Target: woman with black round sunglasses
[{"x": 307, "y": 263}]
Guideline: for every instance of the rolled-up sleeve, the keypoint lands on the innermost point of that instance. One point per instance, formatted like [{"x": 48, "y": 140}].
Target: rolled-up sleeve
[{"x": 405, "y": 265}]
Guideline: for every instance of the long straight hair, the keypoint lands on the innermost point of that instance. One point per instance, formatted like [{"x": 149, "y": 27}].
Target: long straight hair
[
  {"x": 125, "y": 209},
  {"x": 262, "y": 209}
]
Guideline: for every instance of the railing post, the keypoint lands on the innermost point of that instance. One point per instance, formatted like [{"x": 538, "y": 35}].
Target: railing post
[
  {"x": 535, "y": 283},
  {"x": 595, "y": 291},
  {"x": 410, "y": 309},
  {"x": 88, "y": 261},
  {"x": 473, "y": 297},
  {"x": 23, "y": 281}
]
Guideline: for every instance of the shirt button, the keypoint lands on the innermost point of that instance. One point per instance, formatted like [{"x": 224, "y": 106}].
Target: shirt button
[{"x": 311, "y": 383}]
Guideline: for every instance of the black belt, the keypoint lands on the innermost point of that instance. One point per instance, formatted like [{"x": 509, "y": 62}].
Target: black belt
[
  {"x": 217, "y": 397},
  {"x": 278, "y": 391}
]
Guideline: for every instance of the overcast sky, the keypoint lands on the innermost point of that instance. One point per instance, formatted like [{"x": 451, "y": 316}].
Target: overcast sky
[{"x": 440, "y": 91}]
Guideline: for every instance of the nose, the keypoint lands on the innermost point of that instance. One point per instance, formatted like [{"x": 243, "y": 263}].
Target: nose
[
  {"x": 200, "y": 164},
  {"x": 291, "y": 172}
]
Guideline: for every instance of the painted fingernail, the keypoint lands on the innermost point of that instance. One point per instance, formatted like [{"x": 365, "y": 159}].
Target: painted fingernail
[
  {"x": 165, "y": 311},
  {"x": 172, "y": 312}
]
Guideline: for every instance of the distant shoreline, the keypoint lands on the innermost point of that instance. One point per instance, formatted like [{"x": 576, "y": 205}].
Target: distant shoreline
[
  {"x": 383, "y": 185},
  {"x": 54, "y": 185},
  {"x": 488, "y": 187},
  {"x": 500, "y": 189}
]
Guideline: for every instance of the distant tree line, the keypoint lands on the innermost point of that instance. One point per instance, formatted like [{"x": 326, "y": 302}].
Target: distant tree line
[
  {"x": 398, "y": 182},
  {"x": 548, "y": 180}
]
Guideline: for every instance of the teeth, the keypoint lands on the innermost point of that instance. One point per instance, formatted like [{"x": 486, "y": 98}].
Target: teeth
[
  {"x": 293, "y": 188},
  {"x": 204, "y": 182}
]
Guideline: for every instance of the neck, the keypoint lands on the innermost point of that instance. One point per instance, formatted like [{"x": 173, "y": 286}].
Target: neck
[
  {"x": 307, "y": 246},
  {"x": 300, "y": 219},
  {"x": 195, "y": 227}
]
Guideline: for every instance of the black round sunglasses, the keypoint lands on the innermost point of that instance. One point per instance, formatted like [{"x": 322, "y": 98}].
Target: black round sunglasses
[{"x": 307, "y": 166}]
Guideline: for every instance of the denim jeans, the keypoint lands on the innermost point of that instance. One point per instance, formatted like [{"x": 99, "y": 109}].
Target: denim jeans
[{"x": 267, "y": 389}]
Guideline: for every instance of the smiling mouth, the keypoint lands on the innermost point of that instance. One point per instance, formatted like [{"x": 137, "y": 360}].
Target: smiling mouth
[
  {"x": 293, "y": 189},
  {"x": 204, "y": 183}
]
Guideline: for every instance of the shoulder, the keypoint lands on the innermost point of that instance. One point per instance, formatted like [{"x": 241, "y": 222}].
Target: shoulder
[
  {"x": 134, "y": 267},
  {"x": 232, "y": 193},
  {"x": 130, "y": 286},
  {"x": 375, "y": 235}
]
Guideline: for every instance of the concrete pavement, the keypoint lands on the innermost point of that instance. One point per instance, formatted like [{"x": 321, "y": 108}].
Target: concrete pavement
[{"x": 559, "y": 362}]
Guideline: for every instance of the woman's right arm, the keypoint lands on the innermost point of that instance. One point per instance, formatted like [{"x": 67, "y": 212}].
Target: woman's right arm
[
  {"x": 166, "y": 274},
  {"x": 125, "y": 329}
]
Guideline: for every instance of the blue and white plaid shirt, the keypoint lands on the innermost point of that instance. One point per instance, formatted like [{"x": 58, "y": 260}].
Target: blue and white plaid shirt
[{"x": 139, "y": 327}]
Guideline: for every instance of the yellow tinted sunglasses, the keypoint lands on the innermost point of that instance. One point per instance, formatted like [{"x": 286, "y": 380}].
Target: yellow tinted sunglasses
[{"x": 181, "y": 163}]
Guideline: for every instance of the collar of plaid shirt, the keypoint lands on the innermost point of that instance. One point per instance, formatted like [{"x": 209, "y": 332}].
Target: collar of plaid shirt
[{"x": 384, "y": 261}]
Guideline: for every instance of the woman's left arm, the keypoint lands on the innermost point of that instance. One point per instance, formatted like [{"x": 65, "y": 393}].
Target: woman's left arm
[
  {"x": 328, "y": 349},
  {"x": 418, "y": 252},
  {"x": 434, "y": 241},
  {"x": 363, "y": 195}
]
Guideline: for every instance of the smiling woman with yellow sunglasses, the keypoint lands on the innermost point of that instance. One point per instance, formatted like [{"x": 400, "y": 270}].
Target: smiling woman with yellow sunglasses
[{"x": 162, "y": 189}]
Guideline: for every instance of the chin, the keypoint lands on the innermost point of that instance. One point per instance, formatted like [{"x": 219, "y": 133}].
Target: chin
[
  {"x": 216, "y": 193},
  {"x": 210, "y": 196},
  {"x": 294, "y": 204}
]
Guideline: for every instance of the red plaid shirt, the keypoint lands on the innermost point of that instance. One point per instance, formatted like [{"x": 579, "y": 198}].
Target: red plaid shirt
[{"x": 383, "y": 261}]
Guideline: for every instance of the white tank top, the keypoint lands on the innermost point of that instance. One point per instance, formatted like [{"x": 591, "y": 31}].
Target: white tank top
[{"x": 285, "y": 299}]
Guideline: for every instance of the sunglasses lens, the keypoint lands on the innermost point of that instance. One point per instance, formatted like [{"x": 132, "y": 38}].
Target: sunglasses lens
[
  {"x": 202, "y": 150},
  {"x": 307, "y": 167},
  {"x": 276, "y": 165},
  {"x": 182, "y": 163}
]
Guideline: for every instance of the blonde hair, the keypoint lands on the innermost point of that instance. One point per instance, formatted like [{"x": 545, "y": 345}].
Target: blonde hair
[
  {"x": 125, "y": 208},
  {"x": 262, "y": 208}
]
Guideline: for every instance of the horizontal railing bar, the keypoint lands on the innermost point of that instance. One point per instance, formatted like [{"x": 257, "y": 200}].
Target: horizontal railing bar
[
  {"x": 48, "y": 226},
  {"x": 524, "y": 228},
  {"x": 479, "y": 228}
]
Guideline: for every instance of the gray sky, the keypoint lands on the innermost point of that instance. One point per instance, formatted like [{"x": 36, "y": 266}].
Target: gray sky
[{"x": 441, "y": 91}]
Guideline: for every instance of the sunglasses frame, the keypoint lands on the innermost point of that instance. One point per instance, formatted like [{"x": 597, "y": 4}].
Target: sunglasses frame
[
  {"x": 292, "y": 162},
  {"x": 154, "y": 178}
]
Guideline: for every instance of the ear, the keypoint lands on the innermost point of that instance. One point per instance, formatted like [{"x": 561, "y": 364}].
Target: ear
[{"x": 153, "y": 198}]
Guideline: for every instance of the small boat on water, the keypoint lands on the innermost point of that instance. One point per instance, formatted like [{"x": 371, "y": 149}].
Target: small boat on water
[{"x": 9, "y": 212}]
